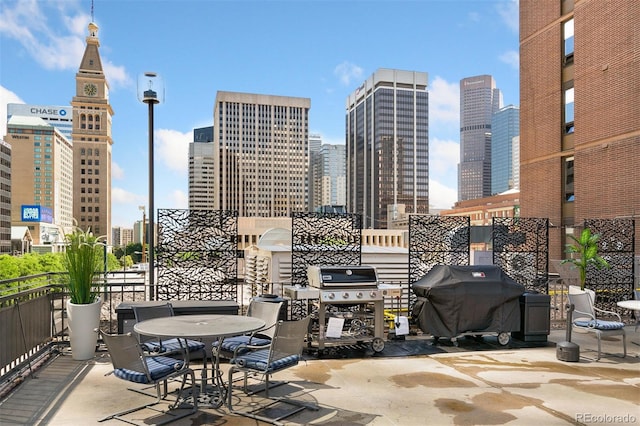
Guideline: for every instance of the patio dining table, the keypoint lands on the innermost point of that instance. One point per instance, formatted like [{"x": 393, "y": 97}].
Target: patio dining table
[{"x": 200, "y": 327}]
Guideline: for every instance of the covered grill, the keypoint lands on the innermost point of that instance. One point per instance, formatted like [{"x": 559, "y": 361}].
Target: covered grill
[{"x": 456, "y": 300}]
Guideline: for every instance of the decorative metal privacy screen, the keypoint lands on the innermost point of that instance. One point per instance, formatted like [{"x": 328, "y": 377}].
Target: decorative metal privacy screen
[
  {"x": 616, "y": 246},
  {"x": 324, "y": 239},
  {"x": 197, "y": 254},
  {"x": 437, "y": 240},
  {"x": 521, "y": 249}
]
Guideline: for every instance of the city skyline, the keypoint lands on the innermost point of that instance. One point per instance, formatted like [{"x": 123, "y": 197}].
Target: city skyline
[{"x": 284, "y": 48}]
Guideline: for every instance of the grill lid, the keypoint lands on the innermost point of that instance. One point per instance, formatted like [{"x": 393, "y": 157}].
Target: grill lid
[{"x": 342, "y": 276}]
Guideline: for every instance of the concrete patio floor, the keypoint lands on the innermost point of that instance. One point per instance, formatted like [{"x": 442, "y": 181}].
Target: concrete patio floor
[{"x": 526, "y": 386}]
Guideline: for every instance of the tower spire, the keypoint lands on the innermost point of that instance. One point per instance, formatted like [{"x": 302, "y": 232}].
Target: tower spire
[{"x": 92, "y": 19}]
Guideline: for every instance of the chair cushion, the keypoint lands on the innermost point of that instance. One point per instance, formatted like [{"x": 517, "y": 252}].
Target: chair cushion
[
  {"x": 172, "y": 345},
  {"x": 159, "y": 366},
  {"x": 259, "y": 360},
  {"x": 600, "y": 324},
  {"x": 230, "y": 344}
]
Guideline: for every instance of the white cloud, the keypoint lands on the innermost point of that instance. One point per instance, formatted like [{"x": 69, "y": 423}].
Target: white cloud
[
  {"x": 6, "y": 97},
  {"x": 511, "y": 58},
  {"x": 509, "y": 12},
  {"x": 54, "y": 48},
  {"x": 172, "y": 148},
  {"x": 444, "y": 156},
  {"x": 178, "y": 199},
  {"x": 444, "y": 101},
  {"x": 122, "y": 196},
  {"x": 441, "y": 196},
  {"x": 347, "y": 72},
  {"x": 117, "y": 172}
]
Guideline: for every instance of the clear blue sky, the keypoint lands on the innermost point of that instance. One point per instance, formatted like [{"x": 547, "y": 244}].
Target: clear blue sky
[{"x": 317, "y": 49}]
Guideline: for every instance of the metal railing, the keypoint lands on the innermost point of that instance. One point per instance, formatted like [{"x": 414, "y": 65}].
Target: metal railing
[{"x": 33, "y": 322}]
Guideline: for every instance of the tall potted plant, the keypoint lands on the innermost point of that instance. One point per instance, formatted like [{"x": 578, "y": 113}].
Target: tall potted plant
[
  {"x": 82, "y": 260},
  {"x": 584, "y": 252}
]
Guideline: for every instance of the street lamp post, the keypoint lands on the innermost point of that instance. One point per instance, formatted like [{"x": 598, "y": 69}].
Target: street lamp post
[{"x": 151, "y": 92}]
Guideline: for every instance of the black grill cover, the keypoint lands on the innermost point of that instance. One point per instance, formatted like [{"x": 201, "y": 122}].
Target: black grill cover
[{"x": 458, "y": 299}]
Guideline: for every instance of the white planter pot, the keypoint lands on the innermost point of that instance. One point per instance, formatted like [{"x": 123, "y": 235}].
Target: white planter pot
[{"x": 83, "y": 323}]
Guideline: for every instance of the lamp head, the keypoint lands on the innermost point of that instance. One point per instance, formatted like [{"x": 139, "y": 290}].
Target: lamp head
[{"x": 150, "y": 88}]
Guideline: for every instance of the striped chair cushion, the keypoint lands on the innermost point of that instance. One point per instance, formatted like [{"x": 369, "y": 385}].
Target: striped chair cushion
[
  {"x": 172, "y": 345},
  {"x": 231, "y": 344},
  {"x": 600, "y": 324},
  {"x": 159, "y": 366},
  {"x": 259, "y": 360}
]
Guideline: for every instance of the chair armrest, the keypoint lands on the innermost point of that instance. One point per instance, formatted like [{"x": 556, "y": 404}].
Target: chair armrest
[
  {"x": 608, "y": 313},
  {"x": 245, "y": 346}
]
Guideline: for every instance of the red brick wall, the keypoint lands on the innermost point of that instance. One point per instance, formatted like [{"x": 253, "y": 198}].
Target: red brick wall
[{"x": 607, "y": 110}]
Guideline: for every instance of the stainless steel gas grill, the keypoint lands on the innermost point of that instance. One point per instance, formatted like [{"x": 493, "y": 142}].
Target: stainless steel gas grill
[{"x": 350, "y": 307}]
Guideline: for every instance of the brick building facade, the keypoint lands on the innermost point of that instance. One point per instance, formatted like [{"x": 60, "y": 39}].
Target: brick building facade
[{"x": 579, "y": 112}]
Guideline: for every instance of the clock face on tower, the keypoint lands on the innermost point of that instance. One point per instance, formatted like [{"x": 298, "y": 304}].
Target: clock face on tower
[{"x": 90, "y": 89}]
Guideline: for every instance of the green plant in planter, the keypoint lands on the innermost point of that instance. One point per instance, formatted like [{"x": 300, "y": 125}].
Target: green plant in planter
[
  {"x": 585, "y": 250},
  {"x": 83, "y": 260}
]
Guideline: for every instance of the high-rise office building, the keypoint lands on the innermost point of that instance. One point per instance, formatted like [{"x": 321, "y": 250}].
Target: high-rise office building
[
  {"x": 515, "y": 161},
  {"x": 479, "y": 100},
  {"x": 579, "y": 118},
  {"x": 314, "y": 181},
  {"x": 201, "y": 169},
  {"x": 261, "y": 154},
  {"x": 41, "y": 179},
  {"x": 92, "y": 142},
  {"x": 387, "y": 156},
  {"x": 334, "y": 175},
  {"x": 59, "y": 117},
  {"x": 505, "y": 125},
  {"x": 5, "y": 197}
]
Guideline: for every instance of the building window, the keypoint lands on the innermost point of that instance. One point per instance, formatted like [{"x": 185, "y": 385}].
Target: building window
[
  {"x": 568, "y": 110},
  {"x": 567, "y": 34},
  {"x": 569, "y": 195}
]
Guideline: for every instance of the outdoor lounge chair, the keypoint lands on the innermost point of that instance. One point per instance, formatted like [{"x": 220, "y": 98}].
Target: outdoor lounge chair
[
  {"x": 285, "y": 351},
  {"x": 585, "y": 319},
  {"x": 266, "y": 311},
  {"x": 131, "y": 364}
]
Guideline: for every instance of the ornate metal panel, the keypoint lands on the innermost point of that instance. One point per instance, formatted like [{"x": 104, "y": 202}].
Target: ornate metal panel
[
  {"x": 521, "y": 249},
  {"x": 197, "y": 254},
  {"x": 616, "y": 246},
  {"x": 437, "y": 240},
  {"x": 324, "y": 239}
]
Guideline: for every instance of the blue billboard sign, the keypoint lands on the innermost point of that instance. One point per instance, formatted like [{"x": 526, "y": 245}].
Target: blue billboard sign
[{"x": 36, "y": 213}]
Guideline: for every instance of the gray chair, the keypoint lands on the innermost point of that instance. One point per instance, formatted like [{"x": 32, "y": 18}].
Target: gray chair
[
  {"x": 285, "y": 351},
  {"x": 266, "y": 311},
  {"x": 167, "y": 347},
  {"x": 131, "y": 364},
  {"x": 587, "y": 318}
]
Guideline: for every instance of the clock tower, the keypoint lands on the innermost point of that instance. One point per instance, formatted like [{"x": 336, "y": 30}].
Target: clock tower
[{"x": 92, "y": 142}]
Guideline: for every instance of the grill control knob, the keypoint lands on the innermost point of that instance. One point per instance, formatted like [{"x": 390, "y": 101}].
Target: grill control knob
[
  {"x": 359, "y": 295},
  {"x": 331, "y": 296},
  {"x": 345, "y": 295},
  {"x": 373, "y": 294}
]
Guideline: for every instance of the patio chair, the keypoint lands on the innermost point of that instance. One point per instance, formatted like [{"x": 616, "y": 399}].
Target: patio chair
[
  {"x": 285, "y": 351},
  {"x": 172, "y": 347},
  {"x": 585, "y": 319},
  {"x": 168, "y": 347},
  {"x": 131, "y": 364},
  {"x": 266, "y": 311}
]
